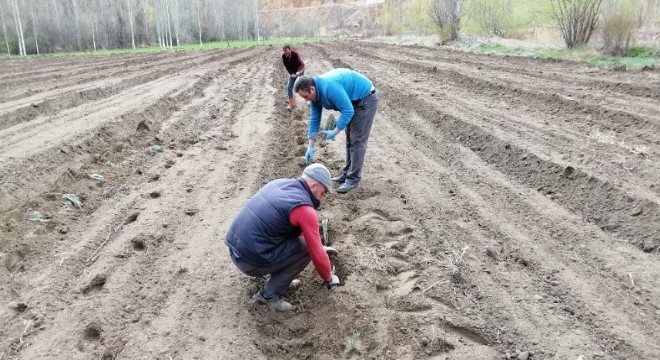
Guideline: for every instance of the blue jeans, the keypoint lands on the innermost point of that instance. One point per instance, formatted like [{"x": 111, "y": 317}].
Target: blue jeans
[
  {"x": 357, "y": 137},
  {"x": 282, "y": 273},
  {"x": 289, "y": 84}
]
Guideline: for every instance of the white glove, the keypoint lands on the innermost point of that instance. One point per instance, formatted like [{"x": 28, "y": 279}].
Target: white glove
[{"x": 334, "y": 282}]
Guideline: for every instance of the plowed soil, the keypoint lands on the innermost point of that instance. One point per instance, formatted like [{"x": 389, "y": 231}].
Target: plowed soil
[{"x": 509, "y": 208}]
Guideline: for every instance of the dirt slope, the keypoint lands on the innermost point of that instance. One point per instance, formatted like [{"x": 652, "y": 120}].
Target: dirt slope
[{"x": 509, "y": 207}]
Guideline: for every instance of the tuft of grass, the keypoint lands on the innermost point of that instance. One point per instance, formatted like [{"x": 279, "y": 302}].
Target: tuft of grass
[
  {"x": 643, "y": 52},
  {"x": 638, "y": 57},
  {"x": 458, "y": 266},
  {"x": 184, "y": 47}
]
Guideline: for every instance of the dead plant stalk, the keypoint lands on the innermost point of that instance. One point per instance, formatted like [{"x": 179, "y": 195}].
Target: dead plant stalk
[{"x": 97, "y": 252}]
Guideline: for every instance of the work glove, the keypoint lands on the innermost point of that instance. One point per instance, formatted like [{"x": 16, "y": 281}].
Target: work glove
[
  {"x": 309, "y": 154},
  {"x": 329, "y": 134},
  {"x": 333, "y": 283}
]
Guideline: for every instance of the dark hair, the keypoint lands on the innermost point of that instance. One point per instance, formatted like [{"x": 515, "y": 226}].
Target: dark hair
[
  {"x": 303, "y": 83},
  {"x": 285, "y": 47}
]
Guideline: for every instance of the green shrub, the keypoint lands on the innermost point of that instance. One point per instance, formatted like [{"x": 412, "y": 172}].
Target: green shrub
[
  {"x": 640, "y": 51},
  {"x": 618, "y": 29},
  {"x": 493, "y": 16},
  {"x": 390, "y": 19}
]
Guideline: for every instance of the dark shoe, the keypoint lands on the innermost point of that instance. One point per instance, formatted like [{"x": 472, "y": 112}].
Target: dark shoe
[
  {"x": 346, "y": 187},
  {"x": 340, "y": 179},
  {"x": 275, "y": 303}
]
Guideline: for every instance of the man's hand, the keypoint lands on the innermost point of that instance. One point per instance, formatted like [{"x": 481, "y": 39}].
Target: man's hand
[
  {"x": 329, "y": 134},
  {"x": 309, "y": 154},
  {"x": 333, "y": 283}
]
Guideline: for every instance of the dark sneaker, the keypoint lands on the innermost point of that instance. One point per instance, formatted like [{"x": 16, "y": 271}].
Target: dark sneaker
[
  {"x": 340, "y": 179},
  {"x": 346, "y": 187},
  {"x": 275, "y": 303}
]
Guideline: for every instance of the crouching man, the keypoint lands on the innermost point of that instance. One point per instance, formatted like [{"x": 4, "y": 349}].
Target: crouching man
[{"x": 264, "y": 238}]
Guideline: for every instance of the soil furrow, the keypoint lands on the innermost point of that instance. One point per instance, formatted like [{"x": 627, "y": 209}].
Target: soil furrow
[
  {"x": 572, "y": 74},
  {"x": 598, "y": 201},
  {"x": 28, "y": 109},
  {"x": 497, "y": 217},
  {"x": 555, "y": 103}
]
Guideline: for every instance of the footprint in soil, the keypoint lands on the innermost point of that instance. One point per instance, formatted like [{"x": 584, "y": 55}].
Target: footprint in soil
[
  {"x": 13, "y": 260},
  {"x": 97, "y": 283},
  {"x": 92, "y": 332},
  {"x": 132, "y": 218},
  {"x": 138, "y": 244}
]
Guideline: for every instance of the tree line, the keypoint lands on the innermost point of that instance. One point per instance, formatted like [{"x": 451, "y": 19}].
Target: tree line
[{"x": 45, "y": 26}]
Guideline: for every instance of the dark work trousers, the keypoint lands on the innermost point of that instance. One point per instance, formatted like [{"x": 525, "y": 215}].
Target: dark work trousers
[
  {"x": 357, "y": 137},
  {"x": 290, "y": 82},
  {"x": 281, "y": 273}
]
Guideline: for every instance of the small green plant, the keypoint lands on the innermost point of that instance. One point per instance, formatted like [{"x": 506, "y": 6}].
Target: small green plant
[
  {"x": 353, "y": 343},
  {"x": 641, "y": 52}
]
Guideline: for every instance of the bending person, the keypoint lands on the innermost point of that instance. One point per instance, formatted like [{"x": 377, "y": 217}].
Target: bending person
[
  {"x": 264, "y": 238},
  {"x": 295, "y": 66},
  {"x": 354, "y": 96}
]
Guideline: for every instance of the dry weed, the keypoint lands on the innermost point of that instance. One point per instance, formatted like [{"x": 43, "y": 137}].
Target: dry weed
[
  {"x": 458, "y": 266},
  {"x": 610, "y": 139}
]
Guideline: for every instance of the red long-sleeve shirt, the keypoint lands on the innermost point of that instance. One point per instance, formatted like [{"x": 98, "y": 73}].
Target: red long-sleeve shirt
[{"x": 305, "y": 217}]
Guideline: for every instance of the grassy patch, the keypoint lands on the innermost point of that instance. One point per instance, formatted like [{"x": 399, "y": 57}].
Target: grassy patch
[
  {"x": 185, "y": 47},
  {"x": 637, "y": 58}
]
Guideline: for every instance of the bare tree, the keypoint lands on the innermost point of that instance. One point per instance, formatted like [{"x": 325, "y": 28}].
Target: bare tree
[
  {"x": 89, "y": 25},
  {"x": 389, "y": 18},
  {"x": 19, "y": 27},
  {"x": 646, "y": 12},
  {"x": 58, "y": 21},
  {"x": 577, "y": 19},
  {"x": 446, "y": 14},
  {"x": 169, "y": 24},
  {"x": 129, "y": 8},
  {"x": 76, "y": 17},
  {"x": 618, "y": 28},
  {"x": 256, "y": 17},
  {"x": 34, "y": 29},
  {"x": 4, "y": 31},
  {"x": 492, "y": 15},
  {"x": 176, "y": 21},
  {"x": 199, "y": 22}
]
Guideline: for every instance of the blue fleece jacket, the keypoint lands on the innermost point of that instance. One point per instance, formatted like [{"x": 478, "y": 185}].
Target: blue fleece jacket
[{"x": 334, "y": 91}]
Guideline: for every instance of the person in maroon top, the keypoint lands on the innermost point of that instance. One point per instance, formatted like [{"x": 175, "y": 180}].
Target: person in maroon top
[{"x": 295, "y": 66}]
